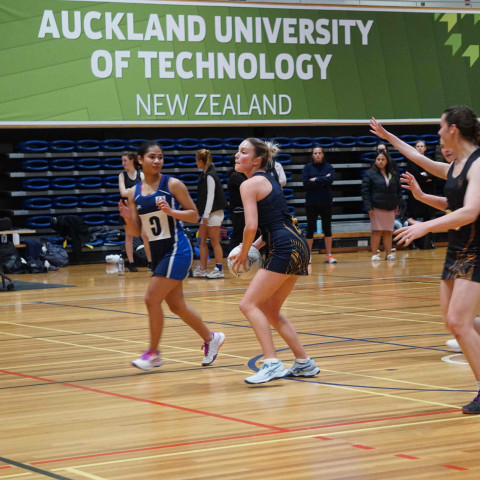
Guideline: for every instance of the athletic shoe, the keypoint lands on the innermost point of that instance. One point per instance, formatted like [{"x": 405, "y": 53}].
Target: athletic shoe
[
  {"x": 308, "y": 369},
  {"x": 199, "y": 273},
  {"x": 454, "y": 345},
  {"x": 390, "y": 256},
  {"x": 149, "y": 266},
  {"x": 211, "y": 348},
  {"x": 310, "y": 260},
  {"x": 330, "y": 259},
  {"x": 474, "y": 406},
  {"x": 148, "y": 360},
  {"x": 132, "y": 267},
  {"x": 269, "y": 371},
  {"x": 375, "y": 258},
  {"x": 216, "y": 273}
]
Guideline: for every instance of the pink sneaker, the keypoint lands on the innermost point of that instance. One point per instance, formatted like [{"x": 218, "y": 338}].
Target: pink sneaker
[{"x": 148, "y": 360}]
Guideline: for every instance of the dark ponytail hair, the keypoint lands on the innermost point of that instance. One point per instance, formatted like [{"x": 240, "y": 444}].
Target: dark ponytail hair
[
  {"x": 466, "y": 121},
  {"x": 146, "y": 145}
]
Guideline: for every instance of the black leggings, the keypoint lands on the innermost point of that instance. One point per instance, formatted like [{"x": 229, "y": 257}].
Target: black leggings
[{"x": 312, "y": 216}]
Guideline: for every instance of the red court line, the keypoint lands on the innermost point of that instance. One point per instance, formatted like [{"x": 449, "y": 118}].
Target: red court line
[
  {"x": 454, "y": 467},
  {"x": 408, "y": 457},
  {"x": 363, "y": 447},
  {"x": 153, "y": 402}
]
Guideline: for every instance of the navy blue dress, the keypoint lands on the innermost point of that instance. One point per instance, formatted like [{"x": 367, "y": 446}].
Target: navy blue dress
[{"x": 287, "y": 249}]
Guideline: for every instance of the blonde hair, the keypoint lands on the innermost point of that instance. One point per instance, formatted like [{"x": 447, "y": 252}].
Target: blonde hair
[
  {"x": 204, "y": 156},
  {"x": 263, "y": 149}
]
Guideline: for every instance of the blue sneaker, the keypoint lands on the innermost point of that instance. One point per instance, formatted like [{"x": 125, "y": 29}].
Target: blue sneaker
[
  {"x": 308, "y": 369},
  {"x": 269, "y": 371}
]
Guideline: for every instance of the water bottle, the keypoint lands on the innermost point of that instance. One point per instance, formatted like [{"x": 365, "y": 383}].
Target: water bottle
[{"x": 121, "y": 267}]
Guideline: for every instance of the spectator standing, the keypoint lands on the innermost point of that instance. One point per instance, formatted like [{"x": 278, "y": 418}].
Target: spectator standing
[{"x": 318, "y": 177}]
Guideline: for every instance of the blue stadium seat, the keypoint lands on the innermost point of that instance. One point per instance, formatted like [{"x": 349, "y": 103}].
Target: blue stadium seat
[
  {"x": 112, "y": 218},
  {"x": 188, "y": 178},
  {"x": 87, "y": 145},
  {"x": 232, "y": 142},
  {"x": 112, "y": 163},
  {"x": 62, "y": 146},
  {"x": 93, "y": 219},
  {"x": 134, "y": 143},
  {"x": 186, "y": 143},
  {"x": 112, "y": 199},
  {"x": 62, "y": 164},
  {"x": 283, "y": 158},
  {"x": 324, "y": 142},
  {"x": 211, "y": 143},
  {"x": 288, "y": 192},
  {"x": 36, "y": 184},
  {"x": 218, "y": 160},
  {"x": 368, "y": 157},
  {"x": 113, "y": 144},
  {"x": 302, "y": 142},
  {"x": 63, "y": 183},
  {"x": 65, "y": 201},
  {"x": 110, "y": 181},
  {"x": 89, "y": 163},
  {"x": 430, "y": 139},
  {"x": 345, "y": 141},
  {"x": 186, "y": 161},
  {"x": 282, "y": 142},
  {"x": 289, "y": 176},
  {"x": 91, "y": 200},
  {"x": 39, "y": 221},
  {"x": 37, "y": 203},
  {"x": 33, "y": 146},
  {"x": 166, "y": 143},
  {"x": 91, "y": 182},
  {"x": 410, "y": 139},
  {"x": 367, "y": 141},
  {"x": 397, "y": 157},
  {"x": 114, "y": 239},
  {"x": 35, "y": 165},
  {"x": 95, "y": 243},
  {"x": 169, "y": 161}
]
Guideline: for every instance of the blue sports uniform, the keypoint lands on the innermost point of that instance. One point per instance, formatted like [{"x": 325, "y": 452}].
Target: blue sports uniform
[
  {"x": 172, "y": 254},
  {"x": 288, "y": 250}
]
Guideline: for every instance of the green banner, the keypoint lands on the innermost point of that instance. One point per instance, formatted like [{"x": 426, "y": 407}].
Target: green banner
[{"x": 74, "y": 62}]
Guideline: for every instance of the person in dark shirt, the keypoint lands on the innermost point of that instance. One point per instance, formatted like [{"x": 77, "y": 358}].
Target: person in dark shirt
[
  {"x": 235, "y": 205},
  {"x": 318, "y": 177}
]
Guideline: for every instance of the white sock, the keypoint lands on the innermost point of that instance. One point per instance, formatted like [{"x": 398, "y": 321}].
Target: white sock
[
  {"x": 271, "y": 360},
  {"x": 302, "y": 360},
  {"x": 478, "y": 385}
]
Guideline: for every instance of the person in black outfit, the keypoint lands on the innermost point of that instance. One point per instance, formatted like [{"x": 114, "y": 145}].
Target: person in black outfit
[
  {"x": 382, "y": 197},
  {"x": 460, "y": 285},
  {"x": 235, "y": 205},
  {"x": 211, "y": 201},
  {"x": 318, "y": 177},
  {"x": 419, "y": 210}
]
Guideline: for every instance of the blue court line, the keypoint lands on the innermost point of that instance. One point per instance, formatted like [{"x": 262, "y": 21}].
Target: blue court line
[
  {"x": 32, "y": 469},
  {"x": 115, "y": 377}
]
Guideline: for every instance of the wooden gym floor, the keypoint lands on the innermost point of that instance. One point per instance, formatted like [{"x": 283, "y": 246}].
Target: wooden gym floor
[{"x": 384, "y": 406}]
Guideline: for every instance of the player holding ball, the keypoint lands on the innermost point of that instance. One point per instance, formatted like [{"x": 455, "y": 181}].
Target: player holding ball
[{"x": 287, "y": 258}]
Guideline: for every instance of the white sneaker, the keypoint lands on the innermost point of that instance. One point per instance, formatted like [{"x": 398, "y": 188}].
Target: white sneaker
[
  {"x": 454, "y": 345},
  {"x": 269, "y": 371},
  {"x": 391, "y": 256},
  {"x": 308, "y": 369},
  {"x": 211, "y": 348},
  {"x": 199, "y": 273},
  {"x": 216, "y": 273},
  {"x": 375, "y": 258},
  {"x": 148, "y": 360}
]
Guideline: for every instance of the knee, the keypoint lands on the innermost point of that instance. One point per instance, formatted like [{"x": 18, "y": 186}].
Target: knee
[
  {"x": 456, "y": 324},
  {"x": 246, "y": 307}
]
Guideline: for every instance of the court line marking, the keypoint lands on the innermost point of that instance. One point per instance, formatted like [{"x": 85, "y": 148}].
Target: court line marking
[
  {"x": 262, "y": 442},
  {"x": 144, "y": 400},
  {"x": 237, "y": 437},
  {"x": 30, "y": 468},
  {"x": 84, "y": 474}
]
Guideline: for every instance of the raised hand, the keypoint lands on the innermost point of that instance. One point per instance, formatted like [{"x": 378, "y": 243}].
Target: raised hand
[
  {"x": 377, "y": 129},
  {"x": 409, "y": 182}
]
